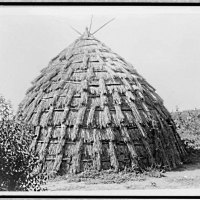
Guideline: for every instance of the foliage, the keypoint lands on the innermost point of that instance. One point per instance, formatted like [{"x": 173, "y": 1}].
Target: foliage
[
  {"x": 5, "y": 109},
  {"x": 188, "y": 127},
  {"x": 17, "y": 162},
  {"x": 188, "y": 122}
]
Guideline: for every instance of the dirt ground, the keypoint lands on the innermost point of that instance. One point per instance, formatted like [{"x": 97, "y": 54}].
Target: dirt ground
[{"x": 187, "y": 176}]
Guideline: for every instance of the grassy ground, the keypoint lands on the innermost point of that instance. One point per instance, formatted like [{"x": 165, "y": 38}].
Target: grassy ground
[{"x": 187, "y": 176}]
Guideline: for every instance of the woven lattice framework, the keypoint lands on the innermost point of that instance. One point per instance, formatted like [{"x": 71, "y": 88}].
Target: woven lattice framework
[{"x": 92, "y": 110}]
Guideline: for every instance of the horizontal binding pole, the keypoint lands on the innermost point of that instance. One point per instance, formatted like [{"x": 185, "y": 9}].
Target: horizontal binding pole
[
  {"x": 80, "y": 71},
  {"x": 90, "y": 143},
  {"x": 91, "y": 160},
  {"x": 50, "y": 158},
  {"x": 76, "y": 109},
  {"x": 79, "y": 96},
  {"x": 93, "y": 44},
  {"x": 95, "y": 127},
  {"x": 63, "y": 159},
  {"x": 56, "y": 142}
]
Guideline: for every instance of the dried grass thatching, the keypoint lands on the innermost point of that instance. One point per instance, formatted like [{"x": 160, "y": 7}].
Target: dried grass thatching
[{"x": 92, "y": 110}]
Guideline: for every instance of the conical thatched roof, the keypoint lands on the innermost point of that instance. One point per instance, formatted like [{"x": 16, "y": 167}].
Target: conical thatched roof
[{"x": 92, "y": 110}]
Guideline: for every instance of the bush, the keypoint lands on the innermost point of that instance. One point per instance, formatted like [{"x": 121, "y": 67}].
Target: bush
[
  {"x": 6, "y": 111},
  {"x": 188, "y": 126},
  {"x": 188, "y": 121},
  {"x": 17, "y": 162}
]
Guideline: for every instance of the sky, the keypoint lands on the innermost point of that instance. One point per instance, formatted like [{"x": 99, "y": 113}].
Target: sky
[{"x": 162, "y": 43}]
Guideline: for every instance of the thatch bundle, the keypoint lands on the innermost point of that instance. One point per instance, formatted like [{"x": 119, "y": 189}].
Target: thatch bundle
[{"x": 92, "y": 110}]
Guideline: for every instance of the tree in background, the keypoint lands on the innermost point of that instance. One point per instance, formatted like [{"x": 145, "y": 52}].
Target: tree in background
[
  {"x": 6, "y": 111},
  {"x": 17, "y": 162}
]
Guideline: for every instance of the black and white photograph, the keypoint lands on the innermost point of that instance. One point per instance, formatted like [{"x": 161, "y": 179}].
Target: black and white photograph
[{"x": 100, "y": 99}]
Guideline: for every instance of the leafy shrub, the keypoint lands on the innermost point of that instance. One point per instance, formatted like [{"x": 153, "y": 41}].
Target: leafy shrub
[
  {"x": 188, "y": 121},
  {"x": 6, "y": 111},
  {"x": 188, "y": 126},
  {"x": 17, "y": 162}
]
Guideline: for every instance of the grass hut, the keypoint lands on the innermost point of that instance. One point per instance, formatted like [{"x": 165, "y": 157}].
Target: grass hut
[{"x": 92, "y": 110}]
